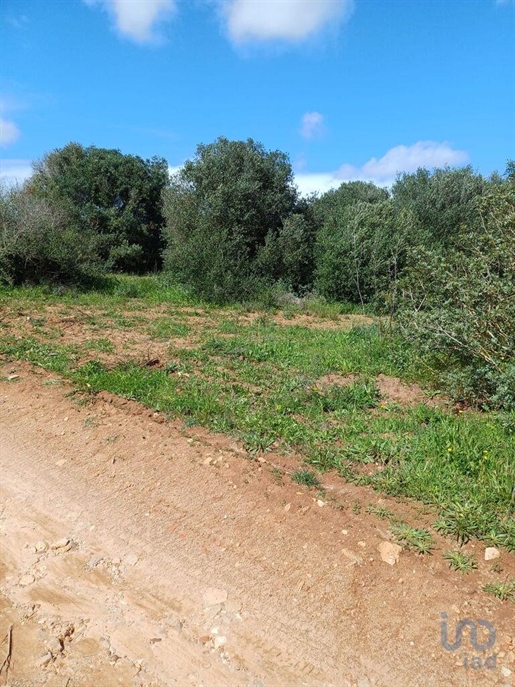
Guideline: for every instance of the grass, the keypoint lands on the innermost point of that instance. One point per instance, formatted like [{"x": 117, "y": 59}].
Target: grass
[
  {"x": 460, "y": 561},
  {"x": 305, "y": 477},
  {"x": 416, "y": 539},
  {"x": 504, "y": 591},
  {"x": 261, "y": 382}
]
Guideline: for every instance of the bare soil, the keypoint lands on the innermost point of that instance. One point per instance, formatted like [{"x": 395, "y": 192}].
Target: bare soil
[{"x": 137, "y": 552}]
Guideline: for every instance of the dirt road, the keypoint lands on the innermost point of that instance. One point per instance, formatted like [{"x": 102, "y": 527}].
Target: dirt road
[{"x": 137, "y": 552}]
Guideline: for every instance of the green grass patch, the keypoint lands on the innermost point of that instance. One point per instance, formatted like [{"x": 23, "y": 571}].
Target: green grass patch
[{"x": 261, "y": 382}]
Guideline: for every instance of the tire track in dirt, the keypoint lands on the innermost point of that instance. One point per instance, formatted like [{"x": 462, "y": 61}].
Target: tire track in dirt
[{"x": 172, "y": 515}]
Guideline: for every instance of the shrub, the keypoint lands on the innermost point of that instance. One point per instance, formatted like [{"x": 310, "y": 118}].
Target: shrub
[
  {"x": 38, "y": 245},
  {"x": 458, "y": 305}
]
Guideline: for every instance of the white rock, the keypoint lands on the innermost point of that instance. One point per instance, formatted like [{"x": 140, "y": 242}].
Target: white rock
[
  {"x": 491, "y": 553},
  {"x": 505, "y": 671},
  {"x": 389, "y": 552},
  {"x": 25, "y": 580},
  {"x": 131, "y": 559},
  {"x": 219, "y": 641},
  {"x": 41, "y": 546},
  {"x": 214, "y": 596},
  {"x": 54, "y": 645}
]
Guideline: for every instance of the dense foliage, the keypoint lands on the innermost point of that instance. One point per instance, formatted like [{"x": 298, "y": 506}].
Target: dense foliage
[
  {"x": 436, "y": 252},
  {"x": 109, "y": 197},
  {"x": 38, "y": 244},
  {"x": 222, "y": 209},
  {"x": 458, "y": 305}
]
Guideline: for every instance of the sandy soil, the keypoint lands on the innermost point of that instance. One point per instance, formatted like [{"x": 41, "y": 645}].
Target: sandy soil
[{"x": 136, "y": 552}]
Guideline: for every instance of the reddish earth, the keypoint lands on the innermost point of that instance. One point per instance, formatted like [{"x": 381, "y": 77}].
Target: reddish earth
[{"x": 136, "y": 552}]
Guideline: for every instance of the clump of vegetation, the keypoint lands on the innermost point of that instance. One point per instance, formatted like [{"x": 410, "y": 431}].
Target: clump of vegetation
[
  {"x": 418, "y": 539},
  {"x": 225, "y": 209},
  {"x": 504, "y": 591},
  {"x": 460, "y": 561},
  {"x": 305, "y": 477},
  {"x": 458, "y": 304}
]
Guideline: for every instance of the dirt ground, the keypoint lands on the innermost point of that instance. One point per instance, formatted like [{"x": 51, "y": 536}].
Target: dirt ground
[{"x": 137, "y": 552}]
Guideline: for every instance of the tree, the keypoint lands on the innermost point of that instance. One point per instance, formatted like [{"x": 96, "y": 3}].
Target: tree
[
  {"x": 360, "y": 253},
  {"x": 115, "y": 197},
  {"x": 441, "y": 201},
  {"x": 222, "y": 208}
]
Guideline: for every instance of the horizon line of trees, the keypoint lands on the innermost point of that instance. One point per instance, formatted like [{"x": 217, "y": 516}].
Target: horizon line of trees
[{"x": 436, "y": 251}]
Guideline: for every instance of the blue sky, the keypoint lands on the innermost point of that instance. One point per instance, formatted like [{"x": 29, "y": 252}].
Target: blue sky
[{"x": 350, "y": 89}]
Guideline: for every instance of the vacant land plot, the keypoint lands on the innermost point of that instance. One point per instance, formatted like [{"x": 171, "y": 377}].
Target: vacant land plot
[{"x": 278, "y": 453}]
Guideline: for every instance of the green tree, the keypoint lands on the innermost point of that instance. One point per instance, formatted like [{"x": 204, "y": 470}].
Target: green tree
[
  {"x": 115, "y": 197},
  {"x": 360, "y": 252},
  {"x": 222, "y": 208},
  {"x": 440, "y": 201}
]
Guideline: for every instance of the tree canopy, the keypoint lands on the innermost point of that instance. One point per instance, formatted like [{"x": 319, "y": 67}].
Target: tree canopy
[
  {"x": 115, "y": 197},
  {"x": 222, "y": 208}
]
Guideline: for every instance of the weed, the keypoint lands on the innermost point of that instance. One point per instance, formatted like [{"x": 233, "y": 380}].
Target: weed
[
  {"x": 306, "y": 478},
  {"x": 356, "y": 507},
  {"x": 99, "y": 345},
  {"x": 419, "y": 540},
  {"x": 277, "y": 475},
  {"x": 380, "y": 512},
  {"x": 460, "y": 561},
  {"x": 505, "y": 591}
]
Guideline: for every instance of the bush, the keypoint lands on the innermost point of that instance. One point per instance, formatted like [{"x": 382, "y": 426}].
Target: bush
[
  {"x": 458, "y": 305},
  {"x": 37, "y": 245},
  {"x": 360, "y": 251}
]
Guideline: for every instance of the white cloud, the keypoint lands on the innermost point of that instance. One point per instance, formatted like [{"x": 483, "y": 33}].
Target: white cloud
[
  {"x": 9, "y": 132},
  {"x": 382, "y": 171},
  {"x": 14, "y": 171},
  {"x": 312, "y": 125},
  {"x": 136, "y": 19},
  {"x": 289, "y": 20}
]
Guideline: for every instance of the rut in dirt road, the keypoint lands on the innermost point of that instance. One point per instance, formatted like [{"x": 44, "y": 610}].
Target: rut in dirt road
[{"x": 186, "y": 563}]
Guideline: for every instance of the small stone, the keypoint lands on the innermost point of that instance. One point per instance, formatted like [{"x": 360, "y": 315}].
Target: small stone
[
  {"x": 25, "y": 580},
  {"x": 389, "y": 552},
  {"x": 219, "y": 641},
  {"x": 506, "y": 671},
  {"x": 131, "y": 559},
  {"x": 491, "y": 553},
  {"x": 204, "y": 639},
  {"x": 54, "y": 645},
  {"x": 345, "y": 531},
  {"x": 320, "y": 503},
  {"x": 60, "y": 543},
  {"x": 355, "y": 560},
  {"x": 44, "y": 660},
  {"x": 362, "y": 544},
  {"x": 363, "y": 682},
  {"x": 11, "y": 377},
  {"x": 93, "y": 562},
  {"x": 41, "y": 546},
  {"x": 287, "y": 507},
  {"x": 214, "y": 596}
]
